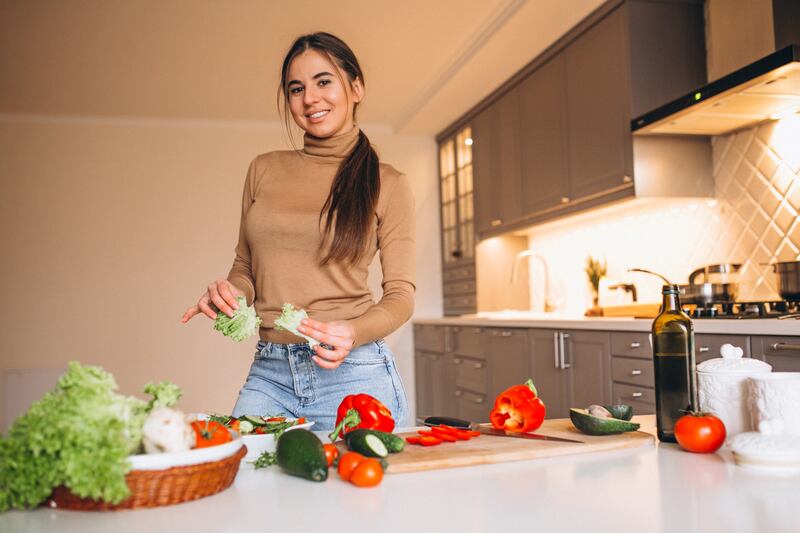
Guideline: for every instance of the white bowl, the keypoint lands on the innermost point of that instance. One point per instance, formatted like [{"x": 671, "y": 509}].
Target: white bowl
[
  {"x": 258, "y": 444},
  {"x": 162, "y": 461}
]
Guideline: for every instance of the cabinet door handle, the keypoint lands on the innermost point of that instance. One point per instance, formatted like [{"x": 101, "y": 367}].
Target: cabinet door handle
[
  {"x": 636, "y": 372},
  {"x": 564, "y": 364},
  {"x": 477, "y": 366},
  {"x": 557, "y": 349},
  {"x": 565, "y": 199},
  {"x": 476, "y": 330},
  {"x": 778, "y": 346},
  {"x": 496, "y": 222},
  {"x": 457, "y": 393},
  {"x": 636, "y": 345},
  {"x": 703, "y": 349},
  {"x": 506, "y": 333},
  {"x": 637, "y": 395},
  {"x": 456, "y": 361},
  {"x": 478, "y": 400}
]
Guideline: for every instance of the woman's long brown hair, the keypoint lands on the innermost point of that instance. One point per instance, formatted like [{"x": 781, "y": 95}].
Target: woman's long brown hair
[{"x": 350, "y": 207}]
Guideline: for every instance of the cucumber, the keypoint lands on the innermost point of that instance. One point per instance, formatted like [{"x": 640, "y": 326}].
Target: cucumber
[
  {"x": 594, "y": 425},
  {"x": 245, "y": 427},
  {"x": 392, "y": 442},
  {"x": 255, "y": 420},
  {"x": 300, "y": 453},
  {"x": 366, "y": 443}
]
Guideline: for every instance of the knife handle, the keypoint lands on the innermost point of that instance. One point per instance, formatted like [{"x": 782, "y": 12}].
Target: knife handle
[{"x": 446, "y": 420}]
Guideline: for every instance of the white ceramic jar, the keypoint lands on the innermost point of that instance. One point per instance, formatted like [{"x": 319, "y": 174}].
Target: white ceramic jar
[
  {"x": 722, "y": 387},
  {"x": 774, "y": 402}
]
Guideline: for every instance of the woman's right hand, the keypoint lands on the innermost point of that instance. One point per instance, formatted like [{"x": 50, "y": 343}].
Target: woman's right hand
[{"x": 222, "y": 294}]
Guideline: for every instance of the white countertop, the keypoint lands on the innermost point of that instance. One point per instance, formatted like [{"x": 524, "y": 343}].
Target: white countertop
[
  {"x": 766, "y": 326},
  {"x": 660, "y": 489}
]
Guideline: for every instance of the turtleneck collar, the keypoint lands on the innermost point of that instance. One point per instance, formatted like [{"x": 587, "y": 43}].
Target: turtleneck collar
[{"x": 336, "y": 147}]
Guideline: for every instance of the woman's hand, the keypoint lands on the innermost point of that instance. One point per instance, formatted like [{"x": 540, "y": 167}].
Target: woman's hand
[
  {"x": 338, "y": 334},
  {"x": 222, "y": 294}
]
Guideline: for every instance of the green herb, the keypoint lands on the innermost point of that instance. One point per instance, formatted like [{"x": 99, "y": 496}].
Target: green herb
[
  {"x": 78, "y": 435},
  {"x": 265, "y": 459},
  {"x": 290, "y": 320},
  {"x": 241, "y": 325}
]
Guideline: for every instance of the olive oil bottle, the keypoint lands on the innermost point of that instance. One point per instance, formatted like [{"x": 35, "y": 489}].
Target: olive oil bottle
[{"x": 674, "y": 362}]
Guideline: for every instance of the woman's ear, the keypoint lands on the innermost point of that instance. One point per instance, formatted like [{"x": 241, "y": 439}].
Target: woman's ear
[{"x": 358, "y": 90}]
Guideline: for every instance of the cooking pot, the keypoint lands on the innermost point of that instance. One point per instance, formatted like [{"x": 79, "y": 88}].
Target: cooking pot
[
  {"x": 788, "y": 279},
  {"x": 717, "y": 285}
]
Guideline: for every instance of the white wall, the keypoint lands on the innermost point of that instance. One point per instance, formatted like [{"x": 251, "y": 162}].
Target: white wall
[{"x": 112, "y": 227}]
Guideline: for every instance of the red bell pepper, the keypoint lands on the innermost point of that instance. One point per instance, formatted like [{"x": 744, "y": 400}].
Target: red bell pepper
[
  {"x": 362, "y": 411},
  {"x": 518, "y": 409}
]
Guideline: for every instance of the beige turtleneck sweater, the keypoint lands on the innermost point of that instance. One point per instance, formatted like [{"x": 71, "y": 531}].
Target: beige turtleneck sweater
[{"x": 277, "y": 257}]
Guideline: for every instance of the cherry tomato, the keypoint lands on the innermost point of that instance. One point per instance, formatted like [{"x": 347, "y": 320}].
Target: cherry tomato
[
  {"x": 210, "y": 433},
  {"x": 331, "y": 453},
  {"x": 368, "y": 473},
  {"x": 348, "y": 463},
  {"x": 700, "y": 432}
]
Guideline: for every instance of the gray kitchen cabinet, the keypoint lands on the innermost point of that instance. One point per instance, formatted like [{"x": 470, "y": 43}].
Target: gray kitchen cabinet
[
  {"x": 546, "y": 372},
  {"x": 509, "y": 362},
  {"x": 587, "y": 355},
  {"x": 707, "y": 346},
  {"x": 632, "y": 373},
  {"x": 543, "y": 138},
  {"x": 783, "y": 353},
  {"x": 566, "y": 145},
  {"x": 495, "y": 136},
  {"x": 570, "y": 368},
  {"x": 433, "y": 374}
]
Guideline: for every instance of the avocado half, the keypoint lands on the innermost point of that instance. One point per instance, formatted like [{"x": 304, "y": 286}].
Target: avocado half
[{"x": 594, "y": 425}]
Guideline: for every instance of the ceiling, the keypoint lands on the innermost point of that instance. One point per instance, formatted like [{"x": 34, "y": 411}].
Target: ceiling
[{"x": 425, "y": 62}]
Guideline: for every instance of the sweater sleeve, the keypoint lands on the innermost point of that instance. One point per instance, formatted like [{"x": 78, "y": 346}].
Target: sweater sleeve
[
  {"x": 241, "y": 273},
  {"x": 397, "y": 245}
]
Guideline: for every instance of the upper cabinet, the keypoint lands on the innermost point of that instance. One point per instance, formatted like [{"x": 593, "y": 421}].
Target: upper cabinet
[{"x": 556, "y": 138}]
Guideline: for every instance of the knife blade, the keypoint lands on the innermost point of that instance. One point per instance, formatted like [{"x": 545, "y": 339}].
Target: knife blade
[{"x": 486, "y": 429}]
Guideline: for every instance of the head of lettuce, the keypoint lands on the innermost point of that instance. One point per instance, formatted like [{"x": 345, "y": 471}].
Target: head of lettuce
[{"x": 78, "y": 435}]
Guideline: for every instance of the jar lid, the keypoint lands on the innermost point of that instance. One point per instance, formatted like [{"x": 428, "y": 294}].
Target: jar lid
[
  {"x": 779, "y": 453},
  {"x": 732, "y": 362}
]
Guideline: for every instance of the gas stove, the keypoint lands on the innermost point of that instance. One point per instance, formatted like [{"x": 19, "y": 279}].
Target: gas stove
[{"x": 744, "y": 310}]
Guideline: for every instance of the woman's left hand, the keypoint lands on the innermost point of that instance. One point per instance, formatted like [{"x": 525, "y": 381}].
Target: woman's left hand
[{"x": 338, "y": 334}]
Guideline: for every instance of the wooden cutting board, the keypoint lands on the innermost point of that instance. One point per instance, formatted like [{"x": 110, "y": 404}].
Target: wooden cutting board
[{"x": 488, "y": 449}]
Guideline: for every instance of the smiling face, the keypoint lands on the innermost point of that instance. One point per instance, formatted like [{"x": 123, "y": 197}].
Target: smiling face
[{"x": 320, "y": 95}]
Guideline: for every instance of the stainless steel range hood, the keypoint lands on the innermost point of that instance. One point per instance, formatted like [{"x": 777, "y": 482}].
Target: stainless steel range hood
[{"x": 766, "y": 89}]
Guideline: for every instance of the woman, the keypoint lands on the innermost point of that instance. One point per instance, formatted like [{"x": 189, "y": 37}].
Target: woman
[{"x": 312, "y": 221}]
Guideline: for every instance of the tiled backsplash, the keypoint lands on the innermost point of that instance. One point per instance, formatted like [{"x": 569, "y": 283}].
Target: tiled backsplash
[{"x": 753, "y": 221}]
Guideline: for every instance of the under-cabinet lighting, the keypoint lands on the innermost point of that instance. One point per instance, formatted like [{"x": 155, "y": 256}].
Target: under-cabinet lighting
[{"x": 468, "y": 141}]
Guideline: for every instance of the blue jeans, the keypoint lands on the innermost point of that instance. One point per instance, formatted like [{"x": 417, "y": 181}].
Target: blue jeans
[{"x": 283, "y": 380}]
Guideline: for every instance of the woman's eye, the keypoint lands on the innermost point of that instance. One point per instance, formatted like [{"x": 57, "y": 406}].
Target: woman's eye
[
  {"x": 295, "y": 90},
  {"x": 324, "y": 82}
]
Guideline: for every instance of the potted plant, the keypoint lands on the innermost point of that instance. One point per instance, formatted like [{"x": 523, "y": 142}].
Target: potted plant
[{"x": 595, "y": 270}]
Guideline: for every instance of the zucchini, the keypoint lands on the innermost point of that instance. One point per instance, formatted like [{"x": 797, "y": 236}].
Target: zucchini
[
  {"x": 245, "y": 427},
  {"x": 365, "y": 443}
]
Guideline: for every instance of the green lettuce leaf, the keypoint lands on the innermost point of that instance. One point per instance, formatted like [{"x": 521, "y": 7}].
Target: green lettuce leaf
[
  {"x": 241, "y": 325},
  {"x": 290, "y": 320}
]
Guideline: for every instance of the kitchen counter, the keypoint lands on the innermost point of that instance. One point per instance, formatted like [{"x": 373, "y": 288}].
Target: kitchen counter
[
  {"x": 766, "y": 326},
  {"x": 658, "y": 489}
]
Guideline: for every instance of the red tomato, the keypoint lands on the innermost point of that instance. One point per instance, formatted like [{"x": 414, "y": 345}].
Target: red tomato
[
  {"x": 367, "y": 473},
  {"x": 331, "y": 453},
  {"x": 700, "y": 433},
  {"x": 348, "y": 463}
]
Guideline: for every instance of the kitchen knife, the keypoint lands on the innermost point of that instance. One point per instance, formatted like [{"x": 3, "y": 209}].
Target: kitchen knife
[{"x": 487, "y": 429}]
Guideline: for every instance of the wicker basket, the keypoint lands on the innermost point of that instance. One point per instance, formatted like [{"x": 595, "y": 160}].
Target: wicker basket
[{"x": 154, "y": 488}]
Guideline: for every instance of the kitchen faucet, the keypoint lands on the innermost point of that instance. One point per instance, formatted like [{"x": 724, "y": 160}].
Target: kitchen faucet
[{"x": 548, "y": 302}]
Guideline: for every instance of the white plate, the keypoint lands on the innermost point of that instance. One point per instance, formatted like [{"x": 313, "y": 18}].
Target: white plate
[
  {"x": 258, "y": 444},
  {"x": 162, "y": 461}
]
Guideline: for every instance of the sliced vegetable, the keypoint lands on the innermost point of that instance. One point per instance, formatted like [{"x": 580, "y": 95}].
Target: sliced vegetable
[
  {"x": 429, "y": 440},
  {"x": 365, "y": 443},
  {"x": 518, "y": 409},
  {"x": 412, "y": 440},
  {"x": 594, "y": 425},
  {"x": 361, "y": 411}
]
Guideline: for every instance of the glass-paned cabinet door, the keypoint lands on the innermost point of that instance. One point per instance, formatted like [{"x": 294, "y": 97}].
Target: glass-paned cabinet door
[
  {"x": 449, "y": 198},
  {"x": 465, "y": 192}
]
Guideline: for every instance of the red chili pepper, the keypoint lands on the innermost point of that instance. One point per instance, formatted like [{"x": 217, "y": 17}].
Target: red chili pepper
[
  {"x": 362, "y": 411},
  {"x": 518, "y": 409}
]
